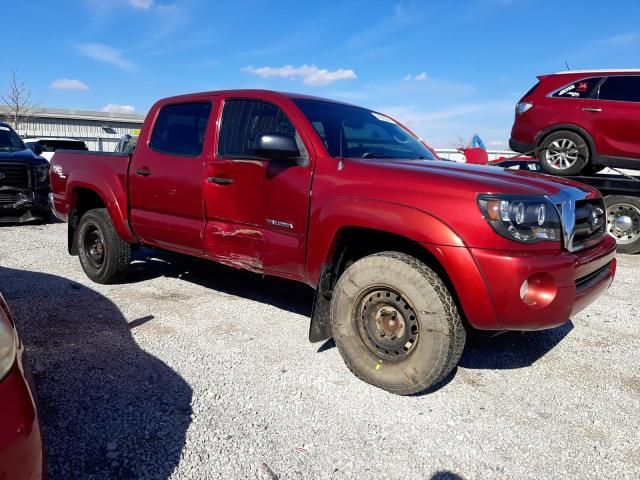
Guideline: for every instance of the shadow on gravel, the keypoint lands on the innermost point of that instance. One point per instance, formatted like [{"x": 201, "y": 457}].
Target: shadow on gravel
[
  {"x": 108, "y": 409},
  {"x": 512, "y": 349},
  {"x": 287, "y": 295},
  {"x": 446, "y": 475}
]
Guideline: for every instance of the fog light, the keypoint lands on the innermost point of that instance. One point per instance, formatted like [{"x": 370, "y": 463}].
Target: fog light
[{"x": 539, "y": 290}]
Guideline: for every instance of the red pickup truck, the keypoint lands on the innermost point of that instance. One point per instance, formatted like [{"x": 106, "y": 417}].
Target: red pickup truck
[{"x": 405, "y": 251}]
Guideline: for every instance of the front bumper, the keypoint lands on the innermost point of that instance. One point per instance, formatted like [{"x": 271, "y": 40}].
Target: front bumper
[
  {"x": 557, "y": 285},
  {"x": 18, "y": 206},
  {"x": 21, "y": 447},
  {"x": 488, "y": 283}
]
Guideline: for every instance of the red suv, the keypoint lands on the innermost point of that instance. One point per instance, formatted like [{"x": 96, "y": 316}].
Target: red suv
[{"x": 581, "y": 121}]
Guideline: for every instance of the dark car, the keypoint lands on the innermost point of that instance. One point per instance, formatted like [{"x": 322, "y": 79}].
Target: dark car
[
  {"x": 24, "y": 179},
  {"x": 581, "y": 121}
]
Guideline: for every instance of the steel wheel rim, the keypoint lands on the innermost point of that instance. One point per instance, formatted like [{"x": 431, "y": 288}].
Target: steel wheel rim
[
  {"x": 562, "y": 154},
  {"x": 628, "y": 235},
  {"x": 94, "y": 247},
  {"x": 387, "y": 323}
]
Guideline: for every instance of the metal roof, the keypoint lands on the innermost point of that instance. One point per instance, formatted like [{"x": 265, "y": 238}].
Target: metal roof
[{"x": 80, "y": 115}]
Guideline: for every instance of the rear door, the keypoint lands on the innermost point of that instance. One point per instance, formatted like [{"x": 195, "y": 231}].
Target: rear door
[
  {"x": 166, "y": 177},
  {"x": 257, "y": 209},
  {"x": 616, "y": 117}
]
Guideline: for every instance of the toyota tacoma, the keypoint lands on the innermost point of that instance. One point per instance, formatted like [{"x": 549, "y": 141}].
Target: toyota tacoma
[{"x": 405, "y": 251}]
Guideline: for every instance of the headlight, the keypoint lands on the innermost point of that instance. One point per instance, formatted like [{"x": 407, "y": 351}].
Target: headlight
[
  {"x": 7, "y": 341},
  {"x": 522, "y": 107},
  {"x": 520, "y": 218},
  {"x": 42, "y": 174}
]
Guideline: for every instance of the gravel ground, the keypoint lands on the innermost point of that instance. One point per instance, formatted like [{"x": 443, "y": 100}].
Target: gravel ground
[{"x": 192, "y": 370}]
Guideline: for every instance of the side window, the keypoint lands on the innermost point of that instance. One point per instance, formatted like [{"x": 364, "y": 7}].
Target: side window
[
  {"x": 180, "y": 129},
  {"x": 621, "y": 88},
  {"x": 579, "y": 89},
  {"x": 243, "y": 121}
]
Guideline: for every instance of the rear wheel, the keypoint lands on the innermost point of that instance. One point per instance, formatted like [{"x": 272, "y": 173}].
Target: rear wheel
[
  {"x": 104, "y": 256},
  {"x": 623, "y": 222},
  {"x": 563, "y": 153},
  {"x": 395, "y": 323}
]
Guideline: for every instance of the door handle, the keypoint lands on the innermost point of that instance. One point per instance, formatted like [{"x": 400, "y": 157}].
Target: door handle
[
  {"x": 145, "y": 172},
  {"x": 220, "y": 180},
  {"x": 592, "y": 109}
]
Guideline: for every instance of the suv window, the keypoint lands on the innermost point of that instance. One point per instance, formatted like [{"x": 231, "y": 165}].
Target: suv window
[
  {"x": 180, "y": 129},
  {"x": 243, "y": 121},
  {"x": 579, "y": 89},
  {"x": 53, "y": 145},
  {"x": 621, "y": 88}
]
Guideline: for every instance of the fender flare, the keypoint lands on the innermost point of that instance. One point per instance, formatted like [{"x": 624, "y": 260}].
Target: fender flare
[
  {"x": 398, "y": 219},
  {"x": 109, "y": 189}
]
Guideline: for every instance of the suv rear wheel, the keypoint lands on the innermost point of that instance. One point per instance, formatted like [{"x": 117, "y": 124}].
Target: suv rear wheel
[
  {"x": 563, "y": 153},
  {"x": 395, "y": 323}
]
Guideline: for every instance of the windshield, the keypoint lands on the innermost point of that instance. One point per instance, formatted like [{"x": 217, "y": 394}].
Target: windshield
[
  {"x": 9, "y": 140},
  {"x": 357, "y": 132}
]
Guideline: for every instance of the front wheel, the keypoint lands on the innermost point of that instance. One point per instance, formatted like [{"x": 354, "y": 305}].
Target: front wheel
[
  {"x": 623, "y": 222},
  {"x": 104, "y": 256},
  {"x": 395, "y": 323},
  {"x": 563, "y": 153}
]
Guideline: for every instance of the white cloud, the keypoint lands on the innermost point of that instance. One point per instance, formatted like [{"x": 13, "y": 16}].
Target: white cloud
[
  {"x": 141, "y": 4},
  {"x": 114, "y": 108},
  {"x": 420, "y": 77},
  {"x": 310, "y": 74},
  {"x": 68, "y": 84},
  {"x": 621, "y": 39},
  {"x": 106, "y": 54}
]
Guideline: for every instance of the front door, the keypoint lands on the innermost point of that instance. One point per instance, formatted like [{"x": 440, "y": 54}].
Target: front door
[
  {"x": 166, "y": 178},
  {"x": 256, "y": 208}
]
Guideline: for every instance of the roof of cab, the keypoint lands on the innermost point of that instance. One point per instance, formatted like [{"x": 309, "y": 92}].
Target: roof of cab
[{"x": 250, "y": 92}]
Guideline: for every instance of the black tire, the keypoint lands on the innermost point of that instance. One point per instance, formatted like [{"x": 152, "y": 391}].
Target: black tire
[
  {"x": 433, "y": 330},
  {"x": 104, "y": 256},
  {"x": 563, "y": 142},
  {"x": 627, "y": 233}
]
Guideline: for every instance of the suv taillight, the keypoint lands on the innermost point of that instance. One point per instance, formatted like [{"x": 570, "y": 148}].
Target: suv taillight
[{"x": 522, "y": 107}]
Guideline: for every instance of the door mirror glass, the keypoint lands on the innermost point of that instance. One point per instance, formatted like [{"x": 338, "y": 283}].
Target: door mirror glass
[{"x": 276, "y": 146}]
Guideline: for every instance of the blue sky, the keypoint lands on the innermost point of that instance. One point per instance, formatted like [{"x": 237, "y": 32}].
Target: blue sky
[{"x": 448, "y": 69}]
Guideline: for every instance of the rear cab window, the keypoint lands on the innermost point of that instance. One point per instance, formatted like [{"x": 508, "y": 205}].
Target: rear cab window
[
  {"x": 180, "y": 129},
  {"x": 584, "y": 88},
  {"x": 622, "y": 88}
]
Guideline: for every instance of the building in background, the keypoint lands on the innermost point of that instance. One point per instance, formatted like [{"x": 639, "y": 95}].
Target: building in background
[{"x": 99, "y": 130}]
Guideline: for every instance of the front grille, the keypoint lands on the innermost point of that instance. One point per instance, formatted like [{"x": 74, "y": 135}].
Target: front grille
[
  {"x": 8, "y": 198},
  {"x": 14, "y": 175},
  {"x": 590, "y": 222}
]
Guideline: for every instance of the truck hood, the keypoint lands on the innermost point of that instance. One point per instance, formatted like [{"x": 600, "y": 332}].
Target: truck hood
[
  {"x": 24, "y": 156},
  {"x": 479, "y": 178}
]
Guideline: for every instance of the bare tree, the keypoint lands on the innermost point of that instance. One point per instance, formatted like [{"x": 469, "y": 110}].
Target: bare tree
[{"x": 19, "y": 108}]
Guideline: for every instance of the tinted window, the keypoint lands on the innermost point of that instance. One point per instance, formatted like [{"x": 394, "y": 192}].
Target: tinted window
[
  {"x": 624, "y": 88},
  {"x": 9, "y": 140},
  {"x": 243, "y": 121},
  {"x": 580, "y": 89},
  {"x": 180, "y": 129},
  {"x": 356, "y": 132}
]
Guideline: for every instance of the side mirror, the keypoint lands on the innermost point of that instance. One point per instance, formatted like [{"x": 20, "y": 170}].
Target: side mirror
[
  {"x": 36, "y": 148},
  {"x": 276, "y": 146}
]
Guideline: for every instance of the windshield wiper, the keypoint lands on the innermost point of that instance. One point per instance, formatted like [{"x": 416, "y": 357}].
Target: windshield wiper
[{"x": 375, "y": 155}]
